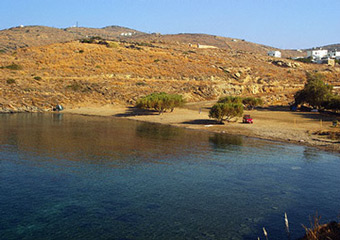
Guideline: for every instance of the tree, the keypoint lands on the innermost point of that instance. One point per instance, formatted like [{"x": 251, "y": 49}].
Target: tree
[
  {"x": 251, "y": 102},
  {"x": 229, "y": 99},
  {"x": 315, "y": 91},
  {"x": 226, "y": 111},
  {"x": 333, "y": 103},
  {"x": 161, "y": 102}
]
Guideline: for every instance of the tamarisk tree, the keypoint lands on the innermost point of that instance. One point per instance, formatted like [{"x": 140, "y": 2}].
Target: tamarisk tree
[
  {"x": 161, "y": 102},
  {"x": 226, "y": 111}
]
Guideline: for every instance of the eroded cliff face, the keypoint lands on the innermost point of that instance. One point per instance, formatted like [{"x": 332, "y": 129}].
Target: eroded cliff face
[{"x": 76, "y": 74}]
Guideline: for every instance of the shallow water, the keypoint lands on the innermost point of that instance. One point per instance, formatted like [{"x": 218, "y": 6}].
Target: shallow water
[{"x": 77, "y": 177}]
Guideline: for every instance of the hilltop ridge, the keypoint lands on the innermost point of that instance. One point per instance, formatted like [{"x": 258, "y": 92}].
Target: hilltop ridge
[{"x": 29, "y": 36}]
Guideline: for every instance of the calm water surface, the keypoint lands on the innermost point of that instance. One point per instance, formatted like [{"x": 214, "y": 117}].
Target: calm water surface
[{"x": 77, "y": 177}]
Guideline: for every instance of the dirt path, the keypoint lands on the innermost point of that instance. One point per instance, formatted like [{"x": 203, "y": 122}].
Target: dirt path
[{"x": 273, "y": 124}]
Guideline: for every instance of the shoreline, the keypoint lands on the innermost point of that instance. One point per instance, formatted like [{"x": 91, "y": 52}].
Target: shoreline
[{"x": 279, "y": 126}]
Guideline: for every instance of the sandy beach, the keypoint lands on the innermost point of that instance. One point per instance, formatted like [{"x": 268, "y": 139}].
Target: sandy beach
[{"x": 277, "y": 124}]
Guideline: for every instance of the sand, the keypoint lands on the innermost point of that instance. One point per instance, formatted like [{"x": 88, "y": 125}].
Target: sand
[{"x": 277, "y": 124}]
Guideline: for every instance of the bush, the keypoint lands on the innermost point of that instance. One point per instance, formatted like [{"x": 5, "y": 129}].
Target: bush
[
  {"x": 304, "y": 60},
  {"x": 37, "y": 78},
  {"x": 141, "y": 83},
  {"x": 12, "y": 66},
  {"x": 10, "y": 81},
  {"x": 75, "y": 87},
  {"x": 91, "y": 39},
  {"x": 251, "y": 102},
  {"x": 332, "y": 103},
  {"x": 248, "y": 102},
  {"x": 112, "y": 45},
  {"x": 226, "y": 110},
  {"x": 229, "y": 99},
  {"x": 161, "y": 102},
  {"x": 315, "y": 92}
]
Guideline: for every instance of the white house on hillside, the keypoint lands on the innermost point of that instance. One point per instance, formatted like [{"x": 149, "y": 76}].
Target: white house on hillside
[
  {"x": 334, "y": 54},
  {"x": 317, "y": 54},
  {"x": 274, "y": 54}
]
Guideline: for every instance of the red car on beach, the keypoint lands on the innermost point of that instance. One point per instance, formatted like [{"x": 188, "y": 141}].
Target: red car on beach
[{"x": 247, "y": 119}]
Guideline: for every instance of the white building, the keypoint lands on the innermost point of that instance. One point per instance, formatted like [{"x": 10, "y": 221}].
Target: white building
[
  {"x": 334, "y": 54},
  {"x": 126, "y": 34},
  {"x": 317, "y": 54},
  {"x": 274, "y": 54}
]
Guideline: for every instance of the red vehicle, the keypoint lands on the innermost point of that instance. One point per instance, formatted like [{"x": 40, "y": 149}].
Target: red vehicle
[{"x": 247, "y": 119}]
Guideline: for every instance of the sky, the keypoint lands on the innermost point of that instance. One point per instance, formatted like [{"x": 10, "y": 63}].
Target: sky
[{"x": 286, "y": 24}]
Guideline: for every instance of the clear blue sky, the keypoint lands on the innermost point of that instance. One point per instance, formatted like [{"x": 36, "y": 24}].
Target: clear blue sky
[{"x": 278, "y": 23}]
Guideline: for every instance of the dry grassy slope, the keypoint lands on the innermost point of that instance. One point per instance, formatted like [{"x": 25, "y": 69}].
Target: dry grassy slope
[
  {"x": 329, "y": 47},
  {"x": 217, "y": 41},
  {"x": 29, "y": 36},
  {"x": 78, "y": 74},
  {"x": 32, "y": 36},
  {"x": 110, "y": 32}
]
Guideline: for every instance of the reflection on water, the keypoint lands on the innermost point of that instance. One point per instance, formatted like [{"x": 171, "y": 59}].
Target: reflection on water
[
  {"x": 223, "y": 141},
  {"x": 156, "y": 131},
  {"x": 76, "y": 177}
]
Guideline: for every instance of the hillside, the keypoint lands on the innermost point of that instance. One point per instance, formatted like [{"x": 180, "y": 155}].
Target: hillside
[
  {"x": 81, "y": 74},
  {"x": 17, "y": 37},
  {"x": 217, "y": 41},
  {"x": 30, "y": 36},
  {"x": 330, "y": 47}
]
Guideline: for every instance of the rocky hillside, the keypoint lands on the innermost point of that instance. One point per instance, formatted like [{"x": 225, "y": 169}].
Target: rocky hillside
[
  {"x": 107, "y": 72},
  {"x": 329, "y": 47},
  {"x": 29, "y": 36},
  {"x": 217, "y": 41}
]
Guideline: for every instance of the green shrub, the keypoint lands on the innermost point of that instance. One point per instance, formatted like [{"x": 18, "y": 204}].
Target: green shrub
[
  {"x": 141, "y": 83},
  {"x": 74, "y": 87},
  {"x": 226, "y": 111},
  {"x": 251, "y": 102},
  {"x": 315, "y": 92},
  {"x": 144, "y": 44},
  {"x": 304, "y": 60},
  {"x": 332, "y": 103},
  {"x": 230, "y": 99},
  {"x": 37, "y": 78},
  {"x": 12, "y": 66},
  {"x": 112, "y": 45},
  {"x": 91, "y": 39},
  {"x": 161, "y": 102},
  {"x": 188, "y": 52},
  {"x": 10, "y": 81}
]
